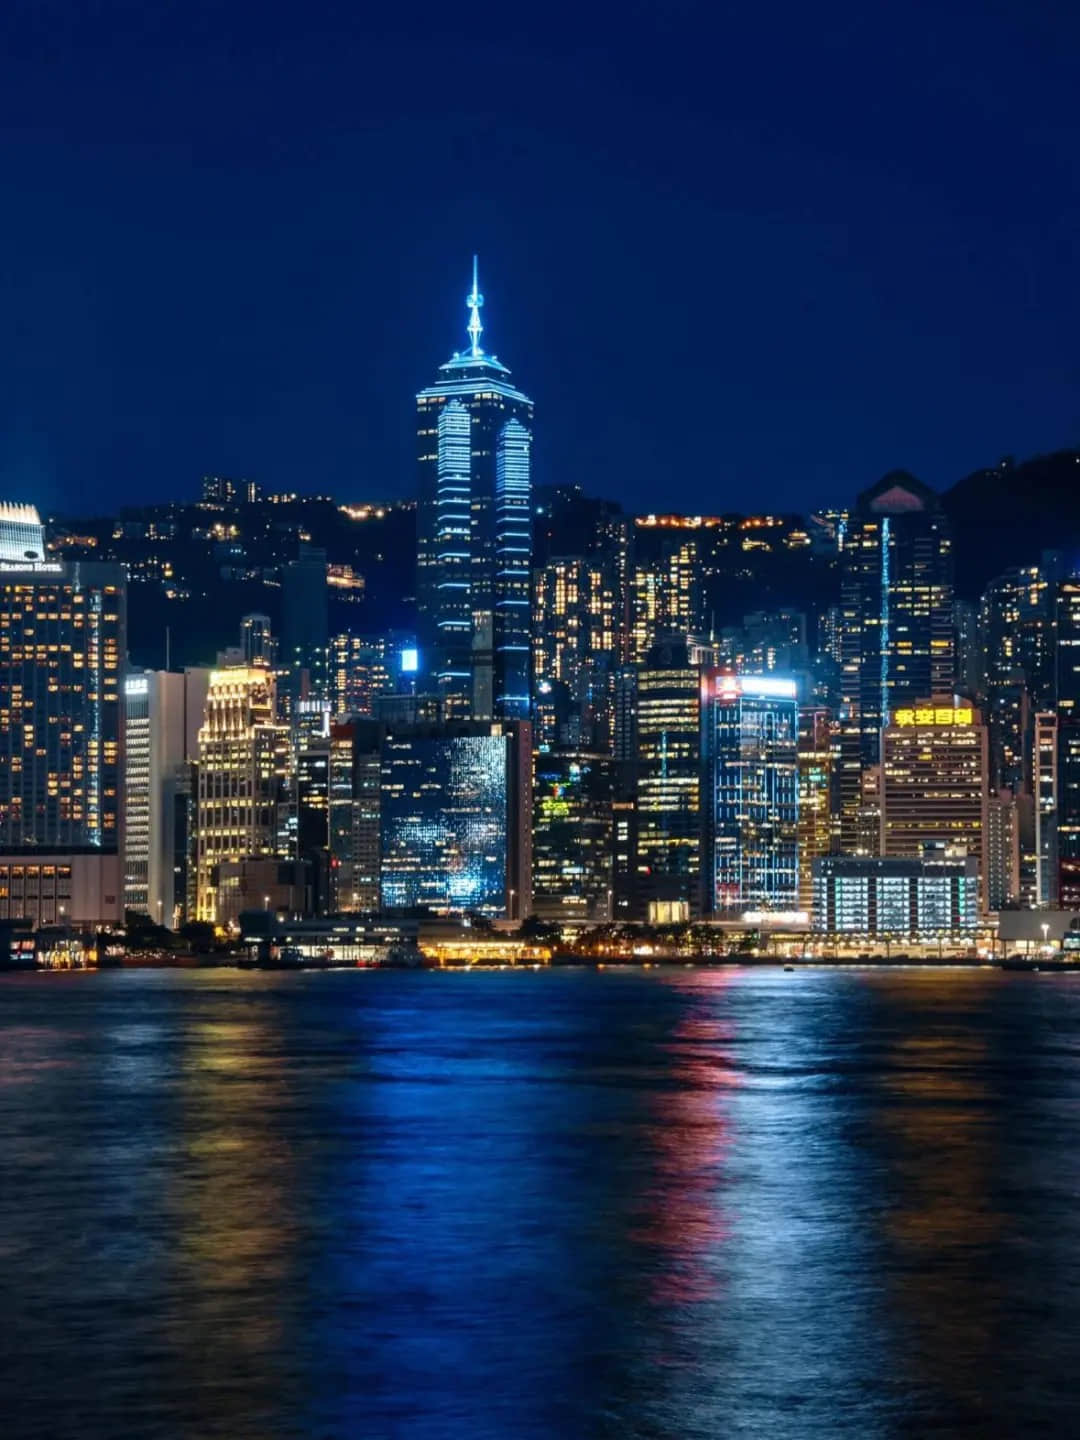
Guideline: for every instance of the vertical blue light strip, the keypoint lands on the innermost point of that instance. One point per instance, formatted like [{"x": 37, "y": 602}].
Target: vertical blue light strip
[
  {"x": 453, "y": 546},
  {"x": 513, "y": 571},
  {"x": 883, "y": 703}
]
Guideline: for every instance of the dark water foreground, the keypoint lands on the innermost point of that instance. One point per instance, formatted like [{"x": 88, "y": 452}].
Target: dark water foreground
[{"x": 501, "y": 1205}]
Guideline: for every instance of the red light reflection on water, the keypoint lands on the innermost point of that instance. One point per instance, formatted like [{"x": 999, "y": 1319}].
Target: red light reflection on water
[{"x": 680, "y": 1214}]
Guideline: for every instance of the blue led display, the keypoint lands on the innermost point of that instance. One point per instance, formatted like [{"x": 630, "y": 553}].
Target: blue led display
[{"x": 444, "y": 823}]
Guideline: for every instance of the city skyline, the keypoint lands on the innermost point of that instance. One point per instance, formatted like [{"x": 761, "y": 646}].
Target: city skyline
[{"x": 539, "y": 720}]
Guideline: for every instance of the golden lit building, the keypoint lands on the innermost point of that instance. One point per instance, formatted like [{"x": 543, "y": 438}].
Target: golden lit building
[
  {"x": 62, "y": 644},
  {"x": 665, "y": 596},
  {"x": 815, "y": 823},
  {"x": 668, "y": 768},
  {"x": 933, "y": 780},
  {"x": 575, "y": 634},
  {"x": 242, "y": 767}
]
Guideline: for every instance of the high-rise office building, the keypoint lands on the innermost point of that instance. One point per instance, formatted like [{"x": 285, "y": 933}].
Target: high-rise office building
[
  {"x": 773, "y": 641},
  {"x": 897, "y": 639},
  {"x": 163, "y": 711},
  {"x": 365, "y": 667},
  {"x": 934, "y": 780},
  {"x": 575, "y": 640},
  {"x": 62, "y": 650},
  {"x": 667, "y": 772},
  {"x": 666, "y": 590},
  {"x": 511, "y": 594},
  {"x": 310, "y": 781},
  {"x": 258, "y": 644},
  {"x": 474, "y": 538},
  {"x": 1045, "y": 780},
  {"x": 242, "y": 768},
  {"x": 751, "y": 793},
  {"x": 967, "y": 648},
  {"x": 815, "y": 824},
  {"x": 355, "y": 776},
  {"x": 1016, "y": 667},
  {"x": 305, "y": 625},
  {"x": 1068, "y": 711},
  {"x": 1001, "y": 850},
  {"x": 572, "y": 837},
  {"x": 456, "y": 818}
]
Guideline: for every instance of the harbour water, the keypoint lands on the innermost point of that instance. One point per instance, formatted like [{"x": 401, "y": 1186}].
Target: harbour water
[{"x": 667, "y": 1204}]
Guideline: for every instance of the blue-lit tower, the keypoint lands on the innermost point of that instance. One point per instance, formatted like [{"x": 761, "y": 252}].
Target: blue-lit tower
[
  {"x": 750, "y": 735},
  {"x": 513, "y": 572},
  {"x": 474, "y": 539}
]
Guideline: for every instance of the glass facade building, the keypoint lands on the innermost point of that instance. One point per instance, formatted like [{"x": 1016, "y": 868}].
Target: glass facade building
[
  {"x": 162, "y": 714},
  {"x": 474, "y": 532},
  {"x": 513, "y": 574},
  {"x": 572, "y": 837},
  {"x": 355, "y": 776},
  {"x": 906, "y": 899},
  {"x": 815, "y": 824},
  {"x": 667, "y": 774},
  {"x": 575, "y": 638},
  {"x": 62, "y": 649},
  {"x": 666, "y": 590},
  {"x": 242, "y": 770},
  {"x": 751, "y": 776},
  {"x": 455, "y": 810},
  {"x": 1068, "y": 709},
  {"x": 897, "y": 640},
  {"x": 305, "y": 625}
]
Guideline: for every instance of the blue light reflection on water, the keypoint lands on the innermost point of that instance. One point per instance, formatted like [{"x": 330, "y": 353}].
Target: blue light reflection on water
[{"x": 665, "y": 1204}]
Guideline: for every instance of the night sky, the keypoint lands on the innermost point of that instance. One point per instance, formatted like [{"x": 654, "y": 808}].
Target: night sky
[{"x": 741, "y": 256}]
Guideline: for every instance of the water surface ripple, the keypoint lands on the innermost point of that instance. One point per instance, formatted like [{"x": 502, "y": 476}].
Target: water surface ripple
[{"x": 664, "y": 1205}]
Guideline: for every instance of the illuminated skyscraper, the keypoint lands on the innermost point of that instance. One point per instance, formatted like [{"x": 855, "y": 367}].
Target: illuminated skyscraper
[
  {"x": 310, "y": 784},
  {"x": 455, "y": 818},
  {"x": 815, "y": 829},
  {"x": 361, "y": 669},
  {"x": 1001, "y": 850},
  {"x": 1016, "y": 666},
  {"x": 62, "y": 648},
  {"x": 474, "y": 539},
  {"x": 933, "y": 783},
  {"x": 667, "y": 767},
  {"x": 1068, "y": 710},
  {"x": 751, "y": 793},
  {"x": 305, "y": 625},
  {"x": 242, "y": 768},
  {"x": 666, "y": 598},
  {"x": 163, "y": 711},
  {"x": 897, "y": 639},
  {"x": 572, "y": 837},
  {"x": 355, "y": 774},
  {"x": 574, "y": 648},
  {"x": 1045, "y": 777},
  {"x": 513, "y": 574},
  {"x": 257, "y": 641}
]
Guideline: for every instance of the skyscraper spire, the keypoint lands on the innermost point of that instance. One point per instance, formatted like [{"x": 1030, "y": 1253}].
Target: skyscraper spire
[{"x": 474, "y": 301}]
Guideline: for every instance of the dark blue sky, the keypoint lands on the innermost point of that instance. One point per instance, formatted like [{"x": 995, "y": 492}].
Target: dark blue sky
[{"x": 741, "y": 255}]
